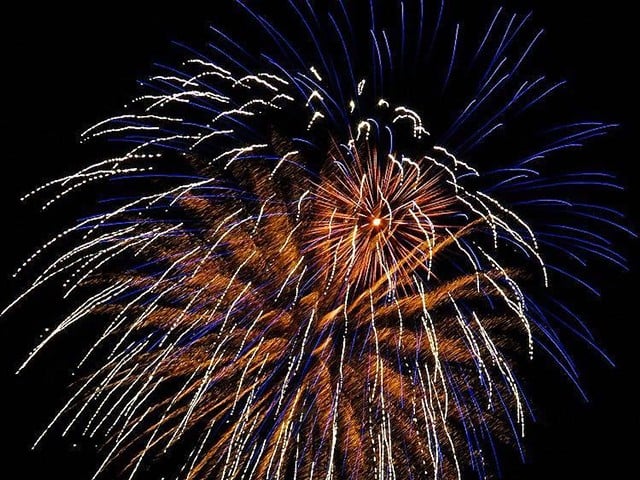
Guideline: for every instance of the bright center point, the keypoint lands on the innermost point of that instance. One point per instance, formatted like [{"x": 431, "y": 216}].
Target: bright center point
[{"x": 376, "y": 222}]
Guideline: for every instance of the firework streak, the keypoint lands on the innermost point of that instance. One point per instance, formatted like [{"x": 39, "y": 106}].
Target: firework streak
[{"x": 321, "y": 256}]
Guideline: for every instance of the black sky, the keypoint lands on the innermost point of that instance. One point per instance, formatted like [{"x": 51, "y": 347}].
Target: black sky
[{"x": 64, "y": 68}]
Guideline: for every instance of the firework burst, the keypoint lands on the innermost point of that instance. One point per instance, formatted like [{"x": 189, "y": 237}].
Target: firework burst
[{"x": 307, "y": 271}]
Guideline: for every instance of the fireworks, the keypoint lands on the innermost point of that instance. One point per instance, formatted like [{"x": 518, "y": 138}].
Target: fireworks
[{"x": 311, "y": 268}]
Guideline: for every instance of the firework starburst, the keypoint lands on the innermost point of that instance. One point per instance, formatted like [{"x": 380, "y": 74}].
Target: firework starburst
[{"x": 308, "y": 271}]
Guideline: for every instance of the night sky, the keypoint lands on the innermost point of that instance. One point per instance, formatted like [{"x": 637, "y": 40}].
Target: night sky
[{"x": 64, "y": 69}]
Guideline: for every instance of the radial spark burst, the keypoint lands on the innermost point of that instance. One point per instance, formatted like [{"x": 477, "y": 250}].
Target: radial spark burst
[{"x": 322, "y": 251}]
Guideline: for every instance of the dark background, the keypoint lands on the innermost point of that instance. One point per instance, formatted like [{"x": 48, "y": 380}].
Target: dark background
[{"x": 64, "y": 68}]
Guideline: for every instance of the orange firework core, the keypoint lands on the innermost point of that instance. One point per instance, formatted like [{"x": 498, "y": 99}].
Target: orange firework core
[{"x": 375, "y": 218}]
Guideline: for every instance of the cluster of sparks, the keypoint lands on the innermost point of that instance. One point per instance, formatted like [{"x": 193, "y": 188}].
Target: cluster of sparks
[{"x": 264, "y": 321}]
